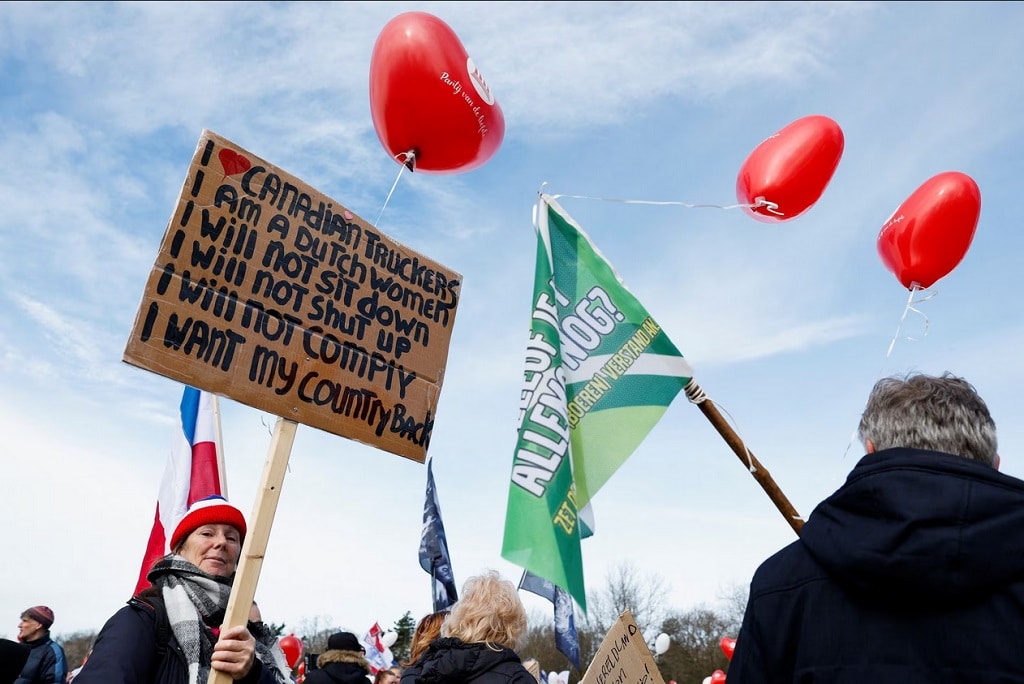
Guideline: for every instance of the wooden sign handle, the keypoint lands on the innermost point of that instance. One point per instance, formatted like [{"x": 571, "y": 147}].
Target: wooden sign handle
[{"x": 243, "y": 591}]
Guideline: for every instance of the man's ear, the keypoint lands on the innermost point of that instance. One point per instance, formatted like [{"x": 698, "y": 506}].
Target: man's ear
[
  {"x": 996, "y": 463},
  {"x": 869, "y": 446}
]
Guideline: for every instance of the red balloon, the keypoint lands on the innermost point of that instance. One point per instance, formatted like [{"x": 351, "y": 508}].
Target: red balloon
[
  {"x": 428, "y": 98},
  {"x": 790, "y": 169},
  {"x": 929, "y": 234},
  {"x": 728, "y": 645},
  {"x": 292, "y": 647},
  {"x": 717, "y": 677}
]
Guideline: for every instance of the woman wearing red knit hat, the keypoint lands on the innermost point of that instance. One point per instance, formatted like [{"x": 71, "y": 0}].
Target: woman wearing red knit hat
[{"x": 170, "y": 633}]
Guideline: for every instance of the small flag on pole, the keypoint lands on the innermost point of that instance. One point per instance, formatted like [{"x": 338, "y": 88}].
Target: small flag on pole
[
  {"x": 194, "y": 471},
  {"x": 566, "y": 638},
  {"x": 434, "y": 557},
  {"x": 377, "y": 654}
]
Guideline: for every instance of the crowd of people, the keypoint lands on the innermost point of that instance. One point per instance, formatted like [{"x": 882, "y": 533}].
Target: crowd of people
[
  {"x": 908, "y": 573},
  {"x": 170, "y": 633}
]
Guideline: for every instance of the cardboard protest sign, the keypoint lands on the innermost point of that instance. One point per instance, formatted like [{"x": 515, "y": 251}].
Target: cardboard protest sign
[
  {"x": 534, "y": 667},
  {"x": 623, "y": 658},
  {"x": 269, "y": 292}
]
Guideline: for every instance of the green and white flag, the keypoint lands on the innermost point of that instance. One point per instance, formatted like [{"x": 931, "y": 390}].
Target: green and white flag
[{"x": 600, "y": 373}]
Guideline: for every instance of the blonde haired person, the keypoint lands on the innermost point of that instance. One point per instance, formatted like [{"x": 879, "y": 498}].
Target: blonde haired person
[{"x": 478, "y": 639}]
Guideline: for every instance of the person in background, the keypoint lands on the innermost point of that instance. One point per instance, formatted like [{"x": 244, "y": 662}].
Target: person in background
[
  {"x": 427, "y": 629},
  {"x": 344, "y": 662},
  {"x": 171, "y": 632},
  {"x": 385, "y": 676},
  {"x": 267, "y": 645},
  {"x": 74, "y": 673},
  {"x": 478, "y": 639},
  {"x": 910, "y": 572},
  {"x": 46, "y": 663},
  {"x": 13, "y": 656}
]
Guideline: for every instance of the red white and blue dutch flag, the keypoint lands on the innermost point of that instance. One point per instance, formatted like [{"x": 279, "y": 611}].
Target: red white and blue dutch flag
[{"x": 194, "y": 471}]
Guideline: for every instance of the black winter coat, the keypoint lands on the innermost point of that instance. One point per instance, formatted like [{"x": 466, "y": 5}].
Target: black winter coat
[
  {"x": 126, "y": 652},
  {"x": 13, "y": 656},
  {"x": 912, "y": 572},
  {"x": 45, "y": 664},
  {"x": 450, "y": 661},
  {"x": 339, "y": 667}
]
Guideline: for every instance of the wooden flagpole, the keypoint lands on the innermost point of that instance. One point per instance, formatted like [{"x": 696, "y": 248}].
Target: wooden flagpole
[
  {"x": 222, "y": 472},
  {"x": 243, "y": 591},
  {"x": 696, "y": 396}
]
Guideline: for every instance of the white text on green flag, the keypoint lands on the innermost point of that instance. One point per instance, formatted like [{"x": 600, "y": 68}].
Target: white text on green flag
[{"x": 599, "y": 375}]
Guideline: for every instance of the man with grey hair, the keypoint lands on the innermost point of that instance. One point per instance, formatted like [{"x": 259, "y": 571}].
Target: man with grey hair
[
  {"x": 913, "y": 570},
  {"x": 46, "y": 663}
]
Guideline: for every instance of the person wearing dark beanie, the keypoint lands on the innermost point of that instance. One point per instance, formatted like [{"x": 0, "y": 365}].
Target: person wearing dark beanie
[
  {"x": 344, "y": 662},
  {"x": 45, "y": 663}
]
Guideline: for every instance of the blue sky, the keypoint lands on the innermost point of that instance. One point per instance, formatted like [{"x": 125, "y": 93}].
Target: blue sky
[{"x": 786, "y": 325}]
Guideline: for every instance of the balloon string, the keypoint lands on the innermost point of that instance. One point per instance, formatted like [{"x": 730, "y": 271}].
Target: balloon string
[
  {"x": 910, "y": 307},
  {"x": 915, "y": 288},
  {"x": 409, "y": 158},
  {"x": 758, "y": 203}
]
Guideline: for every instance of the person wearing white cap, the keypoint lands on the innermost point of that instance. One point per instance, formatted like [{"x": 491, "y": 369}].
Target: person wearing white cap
[{"x": 171, "y": 632}]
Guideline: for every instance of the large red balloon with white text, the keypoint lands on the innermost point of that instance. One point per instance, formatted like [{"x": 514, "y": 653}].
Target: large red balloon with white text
[
  {"x": 930, "y": 233},
  {"x": 429, "y": 100},
  {"x": 787, "y": 173}
]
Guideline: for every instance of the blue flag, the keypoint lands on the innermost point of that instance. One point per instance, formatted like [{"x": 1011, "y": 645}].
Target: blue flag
[
  {"x": 434, "y": 556},
  {"x": 566, "y": 639}
]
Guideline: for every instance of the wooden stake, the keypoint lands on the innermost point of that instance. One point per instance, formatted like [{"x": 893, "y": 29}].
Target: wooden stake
[{"x": 243, "y": 591}]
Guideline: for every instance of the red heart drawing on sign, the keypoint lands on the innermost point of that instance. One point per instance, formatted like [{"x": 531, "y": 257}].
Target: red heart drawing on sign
[{"x": 233, "y": 162}]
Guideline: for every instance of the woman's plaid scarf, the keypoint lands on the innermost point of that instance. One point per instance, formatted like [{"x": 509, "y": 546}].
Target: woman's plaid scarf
[
  {"x": 192, "y": 597},
  {"x": 268, "y": 650},
  {"x": 195, "y": 599}
]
